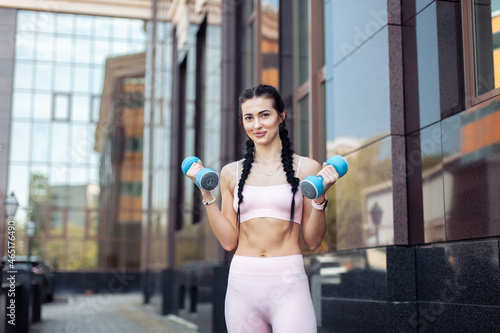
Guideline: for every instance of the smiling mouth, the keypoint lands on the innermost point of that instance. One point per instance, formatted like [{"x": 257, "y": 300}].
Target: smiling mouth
[{"x": 260, "y": 133}]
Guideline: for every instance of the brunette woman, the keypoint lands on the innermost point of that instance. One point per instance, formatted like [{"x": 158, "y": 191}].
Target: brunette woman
[{"x": 263, "y": 215}]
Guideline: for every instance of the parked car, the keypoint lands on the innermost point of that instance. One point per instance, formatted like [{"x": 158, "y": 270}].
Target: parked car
[{"x": 37, "y": 266}]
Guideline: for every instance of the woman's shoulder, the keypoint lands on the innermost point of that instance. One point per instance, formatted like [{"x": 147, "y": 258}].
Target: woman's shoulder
[
  {"x": 231, "y": 166},
  {"x": 308, "y": 166},
  {"x": 229, "y": 170}
]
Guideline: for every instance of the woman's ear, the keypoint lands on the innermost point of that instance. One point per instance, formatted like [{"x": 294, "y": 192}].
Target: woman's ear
[{"x": 283, "y": 115}]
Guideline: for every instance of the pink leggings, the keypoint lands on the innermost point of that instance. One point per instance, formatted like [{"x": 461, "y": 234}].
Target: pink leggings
[{"x": 269, "y": 291}]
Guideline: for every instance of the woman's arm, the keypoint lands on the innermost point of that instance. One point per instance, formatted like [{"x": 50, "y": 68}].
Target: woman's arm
[
  {"x": 314, "y": 220},
  {"x": 222, "y": 222}
]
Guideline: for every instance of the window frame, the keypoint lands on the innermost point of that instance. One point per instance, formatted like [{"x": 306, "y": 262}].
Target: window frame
[
  {"x": 312, "y": 87},
  {"x": 471, "y": 99}
]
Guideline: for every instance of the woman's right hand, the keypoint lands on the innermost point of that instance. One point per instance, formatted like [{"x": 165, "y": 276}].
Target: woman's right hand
[{"x": 193, "y": 171}]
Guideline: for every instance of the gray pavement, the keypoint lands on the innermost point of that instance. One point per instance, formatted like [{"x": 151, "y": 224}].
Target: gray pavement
[{"x": 106, "y": 313}]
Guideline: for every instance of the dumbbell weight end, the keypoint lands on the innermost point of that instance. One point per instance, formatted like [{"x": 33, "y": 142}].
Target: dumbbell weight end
[
  {"x": 207, "y": 179},
  {"x": 312, "y": 187}
]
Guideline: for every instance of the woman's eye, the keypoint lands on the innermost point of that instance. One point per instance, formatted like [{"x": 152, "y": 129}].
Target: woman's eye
[{"x": 265, "y": 115}]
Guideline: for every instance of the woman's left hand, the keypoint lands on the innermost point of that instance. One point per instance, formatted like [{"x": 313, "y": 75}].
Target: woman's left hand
[{"x": 329, "y": 174}]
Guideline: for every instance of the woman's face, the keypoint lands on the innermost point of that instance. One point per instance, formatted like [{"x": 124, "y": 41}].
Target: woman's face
[{"x": 260, "y": 120}]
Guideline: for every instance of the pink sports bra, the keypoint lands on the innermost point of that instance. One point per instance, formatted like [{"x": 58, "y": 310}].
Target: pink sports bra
[{"x": 268, "y": 201}]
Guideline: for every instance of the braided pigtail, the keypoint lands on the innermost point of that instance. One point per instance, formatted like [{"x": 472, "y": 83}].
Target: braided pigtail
[
  {"x": 287, "y": 161},
  {"x": 247, "y": 165}
]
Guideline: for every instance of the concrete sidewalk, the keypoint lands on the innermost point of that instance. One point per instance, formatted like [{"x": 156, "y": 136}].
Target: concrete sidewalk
[{"x": 104, "y": 313}]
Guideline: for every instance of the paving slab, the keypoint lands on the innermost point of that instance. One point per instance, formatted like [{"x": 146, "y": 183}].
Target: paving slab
[{"x": 105, "y": 313}]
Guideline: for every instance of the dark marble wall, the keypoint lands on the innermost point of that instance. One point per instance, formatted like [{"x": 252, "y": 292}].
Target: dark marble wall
[
  {"x": 446, "y": 277},
  {"x": 449, "y": 287}
]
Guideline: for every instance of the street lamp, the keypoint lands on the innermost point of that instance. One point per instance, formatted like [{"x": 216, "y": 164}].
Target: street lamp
[
  {"x": 30, "y": 232},
  {"x": 376, "y": 214},
  {"x": 11, "y": 205}
]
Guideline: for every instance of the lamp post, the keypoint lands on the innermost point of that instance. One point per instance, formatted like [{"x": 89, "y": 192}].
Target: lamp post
[
  {"x": 11, "y": 205},
  {"x": 376, "y": 214},
  {"x": 30, "y": 232}
]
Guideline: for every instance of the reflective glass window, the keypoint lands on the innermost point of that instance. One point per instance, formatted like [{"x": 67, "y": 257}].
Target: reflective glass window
[
  {"x": 302, "y": 42},
  {"x": 64, "y": 24},
  {"x": 486, "y": 30},
  {"x": 96, "y": 103},
  {"x": 249, "y": 55},
  {"x": 82, "y": 51},
  {"x": 61, "y": 106},
  {"x": 371, "y": 190},
  {"x": 44, "y": 47},
  {"x": 64, "y": 47},
  {"x": 75, "y": 251},
  {"x": 90, "y": 258},
  {"x": 41, "y": 137},
  {"x": 84, "y": 25},
  {"x": 26, "y": 21},
  {"x": 120, "y": 28},
  {"x": 21, "y": 105},
  {"x": 62, "y": 80},
  {"x": 471, "y": 146},
  {"x": 93, "y": 223},
  {"x": 23, "y": 75},
  {"x": 39, "y": 191},
  {"x": 42, "y": 106},
  {"x": 270, "y": 42},
  {"x": 58, "y": 174},
  {"x": 102, "y": 27},
  {"x": 20, "y": 141},
  {"x": 25, "y": 45},
  {"x": 59, "y": 144},
  {"x": 432, "y": 184},
  {"x": 321, "y": 33},
  {"x": 56, "y": 223},
  {"x": 82, "y": 79},
  {"x": 97, "y": 83},
  {"x": 137, "y": 28},
  {"x": 56, "y": 250},
  {"x": 80, "y": 143},
  {"x": 94, "y": 169},
  {"x": 78, "y": 177},
  {"x": 359, "y": 105},
  {"x": 80, "y": 108},
  {"x": 19, "y": 184},
  {"x": 120, "y": 48},
  {"x": 59, "y": 74},
  {"x": 101, "y": 51},
  {"x": 303, "y": 126},
  {"x": 45, "y": 22},
  {"x": 43, "y": 78},
  {"x": 428, "y": 65},
  {"x": 354, "y": 22}
]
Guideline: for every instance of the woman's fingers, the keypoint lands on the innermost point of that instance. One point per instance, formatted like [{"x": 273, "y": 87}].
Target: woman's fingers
[
  {"x": 329, "y": 174},
  {"x": 194, "y": 169}
]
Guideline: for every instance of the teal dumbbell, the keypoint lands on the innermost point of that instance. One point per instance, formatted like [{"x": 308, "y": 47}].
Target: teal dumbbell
[
  {"x": 207, "y": 179},
  {"x": 312, "y": 186}
]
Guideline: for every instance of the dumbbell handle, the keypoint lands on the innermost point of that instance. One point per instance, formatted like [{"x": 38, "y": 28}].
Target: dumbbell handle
[
  {"x": 312, "y": 186},
  {"x": 207, "y": 179}
]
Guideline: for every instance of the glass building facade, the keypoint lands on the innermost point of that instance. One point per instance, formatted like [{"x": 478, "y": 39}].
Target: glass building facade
[{"x": 60, "y": 125}]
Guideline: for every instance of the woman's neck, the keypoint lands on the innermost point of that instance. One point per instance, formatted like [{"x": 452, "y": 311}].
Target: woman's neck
[{"x": 268, "y": 154}]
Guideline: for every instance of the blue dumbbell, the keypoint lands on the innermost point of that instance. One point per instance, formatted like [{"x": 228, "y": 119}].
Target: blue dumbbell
[
  {"x": 207, "y": 179},
  {"x": 312, "y": 186}
]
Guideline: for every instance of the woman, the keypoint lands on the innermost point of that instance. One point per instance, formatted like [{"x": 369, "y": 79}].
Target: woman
[{"x": 261, "y": 215}]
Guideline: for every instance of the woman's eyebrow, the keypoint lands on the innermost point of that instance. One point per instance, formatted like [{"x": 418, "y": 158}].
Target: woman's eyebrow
[{"x": 260, "y": 112}]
